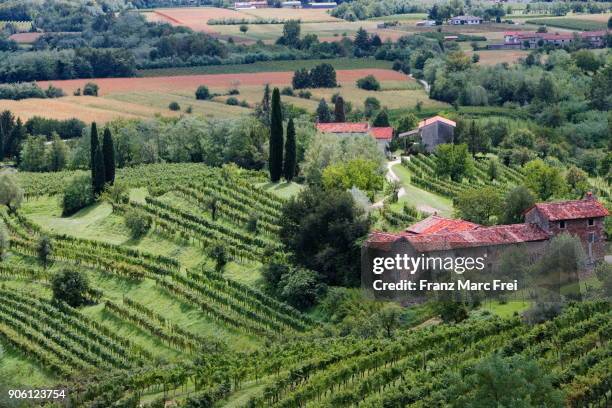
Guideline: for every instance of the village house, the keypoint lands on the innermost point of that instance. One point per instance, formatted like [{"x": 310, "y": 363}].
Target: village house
[
  {"x": 242, "y": 5},
  {"x": 465, "y": 20},
  {"x": 431, "y": 132},
  {"x": 322, "y": 5},
  {"x": 530, "y": 39},
  {"x": 382, "y": 135},
  {"x": 438, "y": 236},
  {"x": 291, "y": 4}
]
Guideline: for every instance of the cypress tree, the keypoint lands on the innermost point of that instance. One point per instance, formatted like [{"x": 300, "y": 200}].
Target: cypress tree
[
  {"x": 290, "y": 153},
  {"x": 275, "y": 161},
  {"x": 16, "y": 138},
  {"x": 98, "y": 172},
  {"x": 339, "y": 113},
  {"x": 108, "y": 151},
  {"x": 323, "y": 113},
  {"x": 93, "y": 147}
]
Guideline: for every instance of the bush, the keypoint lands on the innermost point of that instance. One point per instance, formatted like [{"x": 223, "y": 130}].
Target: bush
[
  {"x": 244, "y": 104},
  {"x": 91, "y": 89},
  {"x": 202, "y": 93},
  {"x": 174, "y": 106},
  {"x": 232, "y": 101},
  {"x": 77, "y": 195},
  {"x": 70, "y": 286},
  {"x": 233, "y": 91},
  {"x": 305, "y": 94},
  {"x": 53, "y": 92},
  {"x": 137, "y": 223},
  {"x": 21, "y": 91},
  {"x": 287, "y": 91},
  {"x": 369, "y": 83}
]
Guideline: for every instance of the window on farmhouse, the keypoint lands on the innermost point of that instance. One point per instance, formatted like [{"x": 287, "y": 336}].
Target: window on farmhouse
[
  {"x": 591, "y": 222},
  {"x": 562, "y": 224}
]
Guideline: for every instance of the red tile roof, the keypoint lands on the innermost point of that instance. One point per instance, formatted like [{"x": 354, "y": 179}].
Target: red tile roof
[
  {"x": 555, "y": 36},
  {"x": 572, "y": 210},
  {"x": 343, "y": 127},
  {"x": 469, "y": 238},
  {"x": 435, "y": 119},
  {"x": 599, "y": 33},
  {"x": 434, "y": 224},
  {"x": 382, "y": 133},
  {"x": 479, "y": 237}
]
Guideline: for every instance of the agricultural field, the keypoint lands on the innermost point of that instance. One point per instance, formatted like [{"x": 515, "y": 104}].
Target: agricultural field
[
  {"x": 149, "y": 96},
  {"x": 588, "y": 22},
  {"x": 492, "y": 57}
]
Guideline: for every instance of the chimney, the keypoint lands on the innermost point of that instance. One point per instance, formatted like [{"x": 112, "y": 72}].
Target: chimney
[{"x": 589, "y": 196}]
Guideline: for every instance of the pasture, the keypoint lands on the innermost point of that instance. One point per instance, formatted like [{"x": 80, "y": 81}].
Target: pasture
[
  {"x": 578, "y": 22},
  {"x": 144, "y": 97}
]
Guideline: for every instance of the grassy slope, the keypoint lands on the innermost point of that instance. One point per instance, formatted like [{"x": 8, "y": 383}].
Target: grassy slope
[
  {"x": 268, "y": 66},
  {"x": 415, "y": 196}
]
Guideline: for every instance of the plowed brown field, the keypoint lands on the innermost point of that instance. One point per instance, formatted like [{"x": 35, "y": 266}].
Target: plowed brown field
[{"x": 174, "y": 83}]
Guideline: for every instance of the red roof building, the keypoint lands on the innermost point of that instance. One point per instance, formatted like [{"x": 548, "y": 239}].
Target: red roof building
[
  {"x": 436, "y": 119},
  {"x": 382, "y": 133},
  {"x": 581, "y": 218}
]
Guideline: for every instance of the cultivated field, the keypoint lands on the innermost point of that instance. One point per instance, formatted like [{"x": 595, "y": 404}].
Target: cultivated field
[
  {"x": 492, "y": 57},
  {"x": 144, "y": 97},
  {"x": 588, "y": 22}
]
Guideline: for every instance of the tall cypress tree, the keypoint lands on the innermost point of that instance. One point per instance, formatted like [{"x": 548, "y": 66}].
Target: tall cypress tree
[
  {"x": 98, "y": 167},
  {"x": 275, "y": 161},
  {"x": 339, "y": 114},
  {"x": 92, "y": 151},
  {"x": 16, "y": 138},
  {"x": 108, "y": 151},
  {"x": 290, "y": 153}
]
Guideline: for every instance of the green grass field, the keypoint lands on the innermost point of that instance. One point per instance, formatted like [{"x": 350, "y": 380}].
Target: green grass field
[
  {"x": 569, "y": 23},
  {"x": 268, "y": 66},
  {"x": 420, "y": 198}
]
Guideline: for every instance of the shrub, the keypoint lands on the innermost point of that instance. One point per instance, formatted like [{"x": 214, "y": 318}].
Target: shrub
[
  {"x": 77, "y": 195},
  {"x": 244, "y": 104},
  {"x": 70, "y": 286},
  {"x": 232, "y": 101},
  {"x": 305, "y": 94},
  {"x": 137, "y": 223},
  {"x": 53, "y": 92},
  {"x": 174, "y": 106},
  {"x": 287, "y": 91},
  {"x": 189, "y": 109},
  {"x": 91, "y": 89},
  {"x": 369, "y": 83},
  {"x": 233, "y": 91},
  {"x": 202, "y": 93}
]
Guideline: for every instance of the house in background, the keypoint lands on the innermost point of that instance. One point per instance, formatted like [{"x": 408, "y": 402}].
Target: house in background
[
  {"x": 465, "y": 20},
  {"x": 530, "y": 39},
  {"x": 382, "y": 135},
  {"x": 432, "y": 132},
  {"x": 243, "y": 5},
  {"x": 322, "y": 5},
  {"x": 291, "y": 4}
]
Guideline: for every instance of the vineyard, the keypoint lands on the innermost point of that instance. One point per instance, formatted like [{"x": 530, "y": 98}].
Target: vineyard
[
  {"x": 19, "y": 25},
  {"x": 423, "y": 175},
  {"x": 158, "y": 330}
]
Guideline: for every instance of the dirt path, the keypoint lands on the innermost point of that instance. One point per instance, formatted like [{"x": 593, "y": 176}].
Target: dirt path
[{"x": 391, "y": 177}]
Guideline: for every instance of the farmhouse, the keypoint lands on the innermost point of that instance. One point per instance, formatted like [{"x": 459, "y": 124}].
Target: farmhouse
[
  {"x": 431, "y": 132},
  {"x": 530, "y": 39},
  {"x": 322, "y": 5},
  {"x": 465, "y": 20},
  {"x": 426, "y": 23},
  {"x": 250, "y": 5},
  {"x": 438, "y": 236},
  {"x": 291, "y": 4},
  {"x": 382, "y": 135}
]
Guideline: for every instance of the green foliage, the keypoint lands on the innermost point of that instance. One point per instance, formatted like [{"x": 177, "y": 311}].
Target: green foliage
[
  {"x": 389, "y": 317},
  {"x": 44, "y": 249},
  {"x": 454, "y": 161},
  {"x": 291, "y": 34},
  {"x": 406, "y": 123},
  {"x": 544, "y": 180},
  {"x": 202, "y": 93},
  {"x": 58, "y": 154},
  {"x": 371, "y": 105},
  {"x": 321, "y": 76},
  {"x": 99, "y": 179},
  {"x": 322, "y": 228},
  {"x": 323, "y": 113},
  {"x": 364, "y": 174},
  {"x": 516, "y": 201},
  {"x": 451, "y": 310},
  {"x": 174, "y": 106},
  {"x": 486, "y": 384},
  {"x": 289, "y": 164},
  {"x": 108, "y": 151},
  {"x": 70, "y": 286},
  {"x": 5, "y": 241},
  {"x": 77, "y": 195},
  {"x": 481, "y": 205},
  {"x": 138, "y": 223},
  {"x": 381, "y": 119},
  {"x": 369, "y": 83},
  {"x": 91, "y": 89},
  {"x": 11, "y": 194},
  {"x": 339, "y": 110},
  {"x": 275, "y": 161},
  {"x": 219, "y": 254},
  {"x": 300, "y": 288},
  {"x": 33, "y": 156}
]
